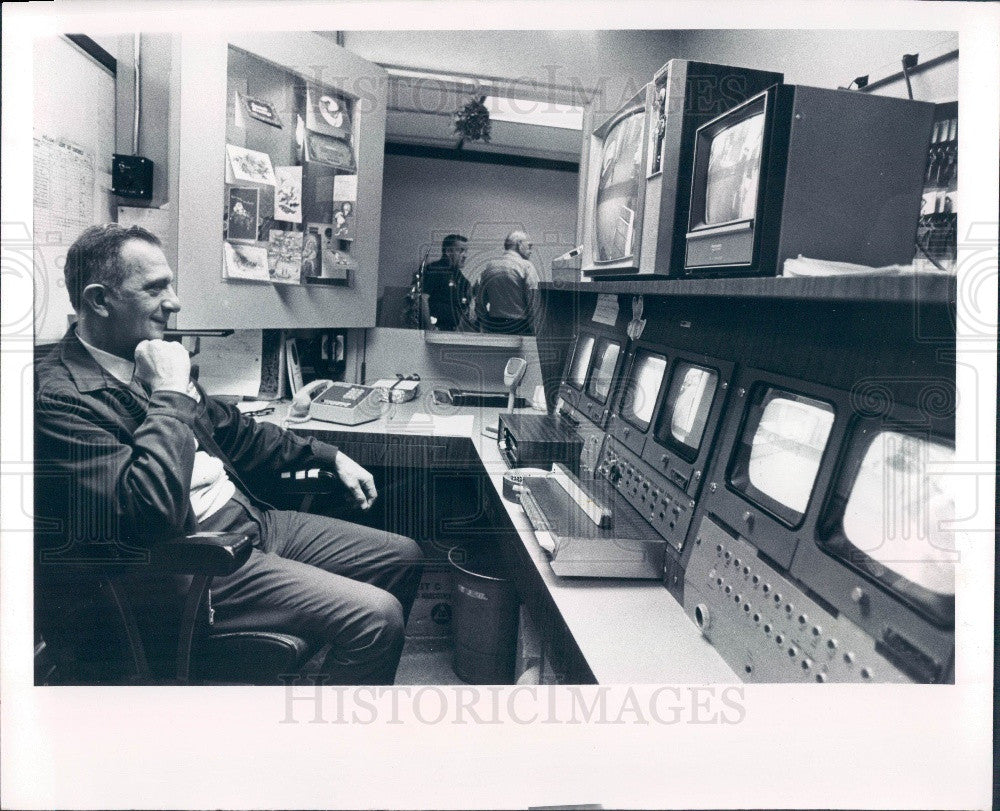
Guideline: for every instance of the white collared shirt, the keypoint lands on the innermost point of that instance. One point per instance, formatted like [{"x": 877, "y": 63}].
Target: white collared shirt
[{"x": 211, "y": 487}]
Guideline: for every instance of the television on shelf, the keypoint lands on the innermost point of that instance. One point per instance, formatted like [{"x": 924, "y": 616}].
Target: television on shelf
[
  {"x": 637, "y": 167},
  {"x": 825, "y": 174}
]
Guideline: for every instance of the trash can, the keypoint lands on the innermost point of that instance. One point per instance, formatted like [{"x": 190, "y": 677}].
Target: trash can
[{"x": 484, "y": 618}]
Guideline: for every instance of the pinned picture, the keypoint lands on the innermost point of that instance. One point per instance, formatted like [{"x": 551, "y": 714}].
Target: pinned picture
[
  {"x": 345, "y": 195},
  {"x": 284, "y": 256},
  {"x": 261, "y": 110},
  {"x": 248, "y": 166},
  {"x": 312, "y": 253},
  {"x": 288, "y": 193},
  {"x": 247, "y": 262},
  {"x": 343, "y": 220},
  {"x": 242, "y": 208},
  {"x": 329, "y": 150},
  {"x": 327, "y": 113}
]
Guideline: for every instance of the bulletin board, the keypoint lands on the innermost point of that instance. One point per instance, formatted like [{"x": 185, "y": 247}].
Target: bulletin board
[{"x": 74, "y": 139}]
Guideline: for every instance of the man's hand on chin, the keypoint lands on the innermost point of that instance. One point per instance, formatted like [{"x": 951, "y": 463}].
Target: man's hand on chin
[
  {"x": 163, "y": 365},
  {"x": 359, "y": 481}
]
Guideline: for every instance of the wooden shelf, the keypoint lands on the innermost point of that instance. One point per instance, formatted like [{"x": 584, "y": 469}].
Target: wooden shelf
[{"x": 930, "y": 288}]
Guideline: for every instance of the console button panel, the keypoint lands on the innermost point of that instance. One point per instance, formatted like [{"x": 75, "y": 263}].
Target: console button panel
[
  {"x": 663, "y": 504},
  {"x": 766, "y": 628}
]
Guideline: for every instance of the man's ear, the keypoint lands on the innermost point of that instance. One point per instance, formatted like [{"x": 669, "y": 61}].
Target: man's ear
[{"x": 95, "y": 297}]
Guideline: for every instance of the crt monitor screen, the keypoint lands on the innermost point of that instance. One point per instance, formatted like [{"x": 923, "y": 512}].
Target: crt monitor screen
[
  {"x": 734, "y": 171},
  {"x": 643, "y": 387},
  {"x": 581, "y": 360},
  {"x": 780, "y": 451},
  {"x": 603, "y": 370},
  {"x": 899, "y": 515},
  {"x": 685, "y": 408},
  {"x": 618, "y": 187}
]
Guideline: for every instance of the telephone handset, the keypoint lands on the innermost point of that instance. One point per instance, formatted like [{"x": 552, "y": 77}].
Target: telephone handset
[
  {"x": 513, "y": 373},
  {"x": 303, "y": 399}
]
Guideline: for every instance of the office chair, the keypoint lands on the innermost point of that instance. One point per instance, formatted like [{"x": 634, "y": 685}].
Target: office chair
[{"x": 88, "y": 630}]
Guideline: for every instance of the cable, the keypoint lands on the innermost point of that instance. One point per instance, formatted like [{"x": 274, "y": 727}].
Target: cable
[{"x": 137, "y": 78}]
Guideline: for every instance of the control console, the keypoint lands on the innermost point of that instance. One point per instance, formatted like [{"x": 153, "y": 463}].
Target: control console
[
  {"x": 766, "y": 628},
  {"x": 662, "y": 503}
]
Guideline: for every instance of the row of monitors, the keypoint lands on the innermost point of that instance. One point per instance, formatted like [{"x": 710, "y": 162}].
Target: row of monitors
[{"x": 834, "y": 492}]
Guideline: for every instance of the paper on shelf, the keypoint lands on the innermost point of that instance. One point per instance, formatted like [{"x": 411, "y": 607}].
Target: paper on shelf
[
  {"x": 231, "y": 365},
  {"x": 804, "y": 266}
]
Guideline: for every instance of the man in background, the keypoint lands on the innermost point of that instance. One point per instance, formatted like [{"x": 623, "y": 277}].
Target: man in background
[
  {"x": 446, "y": 288},
  {"x": 506, "y": 293}
]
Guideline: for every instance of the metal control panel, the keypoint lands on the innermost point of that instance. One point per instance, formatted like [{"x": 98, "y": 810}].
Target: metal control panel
[
  {"x": 592, "y": 436},
  {"x": 767, "y": 629},
  {"x": 665, "y": 506}
]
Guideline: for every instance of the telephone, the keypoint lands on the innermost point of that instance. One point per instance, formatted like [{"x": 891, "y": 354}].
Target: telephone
[{"x": 343, "y": 403}]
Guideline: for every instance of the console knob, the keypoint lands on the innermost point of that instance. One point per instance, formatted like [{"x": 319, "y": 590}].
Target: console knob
[{"x": 702, "y": 616}]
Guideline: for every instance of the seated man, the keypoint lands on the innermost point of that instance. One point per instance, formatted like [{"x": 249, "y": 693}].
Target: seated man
[
  {"x": 506, "y": 293},
  {"x": 148, "y": 455}
]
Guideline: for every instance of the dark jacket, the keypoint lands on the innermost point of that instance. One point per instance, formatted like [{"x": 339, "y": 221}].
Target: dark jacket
[
  {"x": 113, "y": 467},
  {"x": 449, "y": 294}
]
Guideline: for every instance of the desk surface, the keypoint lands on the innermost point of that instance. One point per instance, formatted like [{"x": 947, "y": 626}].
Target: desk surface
[{"x": 628, "y": 631}]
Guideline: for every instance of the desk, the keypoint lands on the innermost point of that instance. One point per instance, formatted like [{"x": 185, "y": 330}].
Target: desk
[{"x": 618, "y": 631}]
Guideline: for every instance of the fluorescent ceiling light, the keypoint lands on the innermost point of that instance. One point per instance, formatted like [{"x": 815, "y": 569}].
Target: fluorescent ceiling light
[{"x": 536, "y": 113}]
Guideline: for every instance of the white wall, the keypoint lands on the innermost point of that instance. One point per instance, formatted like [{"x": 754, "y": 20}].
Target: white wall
[
  {"x": 618, "y": 62},
  {"x": 823, "y": 58}
]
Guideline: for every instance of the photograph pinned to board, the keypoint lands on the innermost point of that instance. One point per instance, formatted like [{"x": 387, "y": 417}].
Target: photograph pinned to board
[
  {"x": 245, "y": 262},
  {"x": 328, "y": 113},
  {"x": 288, "y": 193},
  {"x": 242, "y": 212},
  {"x": 312, "y": 249},
  {"x": 345, "y": 196},
  {"x": 248, "y": 166},
  {"x": 261, "y": 110},
  {"x": 284, "y": 256},
  {"x": 327, "y": 150},
  {"x": 336, "y": 265}
]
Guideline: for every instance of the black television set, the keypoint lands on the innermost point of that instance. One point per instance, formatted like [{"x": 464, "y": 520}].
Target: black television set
[
  {"x": 804, "y": 171},
  {"x": 584, "y": 382},
  {"x": 688, "y": 418},
  {"x": 634, "y": 199},
  {"x": 602, "y": 378}
]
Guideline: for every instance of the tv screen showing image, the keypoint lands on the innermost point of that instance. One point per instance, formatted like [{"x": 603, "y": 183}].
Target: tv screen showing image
[
  {"x": 581, "y": 360},
  {"x": 603, "y": 371},
  {"x": 618, "y": 187},
  {"x": 643, "y": 387},
  {"x": 899, "y": 512},
  {"x": 734, "y": 171},
  {"x": 781, "y": 449},
  {"x": 686, "y": 408}
]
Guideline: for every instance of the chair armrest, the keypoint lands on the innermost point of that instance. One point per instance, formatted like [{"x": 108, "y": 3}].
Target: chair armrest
[
  {"x": 305, "y": 482},
  {"x": 205, "y": 553}
]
